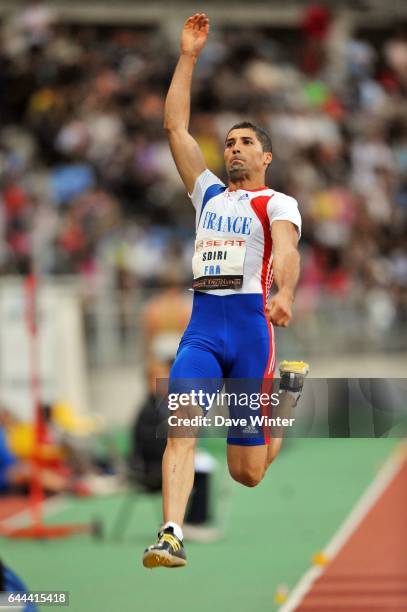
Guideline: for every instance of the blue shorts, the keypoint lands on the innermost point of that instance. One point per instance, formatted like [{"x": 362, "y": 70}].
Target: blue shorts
[{"x": 228, "y": 337}]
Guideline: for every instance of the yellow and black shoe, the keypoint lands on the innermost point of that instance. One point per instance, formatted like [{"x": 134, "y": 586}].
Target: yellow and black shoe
[
  {"x": 168, "y": 551},
  {"x": 292, "y": 376}
]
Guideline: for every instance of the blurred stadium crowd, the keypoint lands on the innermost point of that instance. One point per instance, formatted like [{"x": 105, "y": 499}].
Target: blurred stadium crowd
[{"x": 87, "y": 183}]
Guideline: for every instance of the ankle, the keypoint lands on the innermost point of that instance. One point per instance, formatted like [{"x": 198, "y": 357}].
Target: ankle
[{"x": 177, "y": 530}]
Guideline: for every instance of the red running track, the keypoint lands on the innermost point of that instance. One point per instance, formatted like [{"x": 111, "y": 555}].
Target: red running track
[
  {"x": 10, "y": 505},
  {"x": 369, "y": 573}
]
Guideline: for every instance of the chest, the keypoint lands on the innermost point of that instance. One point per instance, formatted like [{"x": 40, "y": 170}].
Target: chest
[{"x": 231, "y": 215}]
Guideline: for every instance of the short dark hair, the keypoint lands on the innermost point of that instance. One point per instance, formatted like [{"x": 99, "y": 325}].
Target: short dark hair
[{"x": 261, "y": 134}]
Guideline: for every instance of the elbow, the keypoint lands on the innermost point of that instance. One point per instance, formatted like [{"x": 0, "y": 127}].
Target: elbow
[
  {"x": 167, "y": 117},
  {"x": 172, "y": 129},
  {"x": 173, "y": 122},
  {"x": 169, "y": 125}
]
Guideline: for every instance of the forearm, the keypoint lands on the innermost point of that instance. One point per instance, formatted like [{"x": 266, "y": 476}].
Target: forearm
[
  {"x": 178, "y": 100},
  {"x": 286, "y": 267}
]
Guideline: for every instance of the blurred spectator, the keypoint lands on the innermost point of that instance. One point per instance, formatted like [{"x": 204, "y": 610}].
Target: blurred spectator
[
  {"x": 395, "y": 52},
  {"x": 166, "y": 316},
  {"x": 10, "y": 582},
  {"x": 15, "y": 474},
  {"x": 67, "y": 464}
]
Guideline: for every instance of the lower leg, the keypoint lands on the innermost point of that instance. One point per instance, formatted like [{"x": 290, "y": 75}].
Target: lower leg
[
  {"x": 272, "y": 451},
  {"x": 178, "y": 477},
  {"x": 284, "y": 410}
]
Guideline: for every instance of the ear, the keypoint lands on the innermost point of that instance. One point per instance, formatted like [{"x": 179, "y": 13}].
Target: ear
[{"x": 267, "y": 157}]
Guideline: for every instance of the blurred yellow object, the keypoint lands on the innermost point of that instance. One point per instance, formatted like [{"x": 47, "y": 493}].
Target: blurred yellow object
[
  {"x": 43, "y": 100},
  {"x": 296, "y": 367},
  {"x": 210, "y": 149},
  {"x": 281, "y": 594},
  {"x": 67, "y": 419},
  {"x": 320, "y": 559},
  {"x": 20, "y": 438},
  {"x": 400, "y": 451}
]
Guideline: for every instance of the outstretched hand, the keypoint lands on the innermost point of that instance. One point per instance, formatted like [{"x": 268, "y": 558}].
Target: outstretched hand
[{"x": 194, "y": 34}]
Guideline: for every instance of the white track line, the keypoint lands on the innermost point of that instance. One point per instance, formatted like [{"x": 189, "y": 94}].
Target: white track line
[{"x": 360, "y": 510}]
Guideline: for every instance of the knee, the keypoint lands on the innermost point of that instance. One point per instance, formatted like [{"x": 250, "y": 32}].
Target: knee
[
  {"x": 246, "y": 476},
  {"x": 180, "y": 444}
]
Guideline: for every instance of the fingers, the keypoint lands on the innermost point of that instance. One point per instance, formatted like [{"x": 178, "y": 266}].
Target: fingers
[
  {"x": 278, "y": 309},
  {"x": 199, "y": 21},
  {"x": 280, "y": 321},
  {"x": 278, "y": 315}
]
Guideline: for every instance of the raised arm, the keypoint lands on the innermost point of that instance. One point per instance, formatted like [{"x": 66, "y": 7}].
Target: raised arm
[
  {"x": 286, "y": 268},
  {"x": 185, "y": 150}
]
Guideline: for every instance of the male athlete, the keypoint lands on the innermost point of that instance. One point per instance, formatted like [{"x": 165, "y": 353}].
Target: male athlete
[{"x": 246, "y": 233}]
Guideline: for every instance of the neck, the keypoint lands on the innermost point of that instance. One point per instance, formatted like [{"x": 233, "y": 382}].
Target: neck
[{"x": 246, "y": 183}]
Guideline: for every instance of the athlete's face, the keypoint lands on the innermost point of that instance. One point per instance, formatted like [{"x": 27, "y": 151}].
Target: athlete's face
[{"x": 244, "y": 155}]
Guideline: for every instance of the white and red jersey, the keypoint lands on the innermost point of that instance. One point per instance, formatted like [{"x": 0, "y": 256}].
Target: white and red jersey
[{"x": 233, "y": 248}]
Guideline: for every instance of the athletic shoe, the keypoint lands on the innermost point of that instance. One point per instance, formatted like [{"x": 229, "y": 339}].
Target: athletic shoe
[
  {"x": 295, "y": 367},
  {"x": 168, "y": 551},
  {"x": 292, "y": 375}
]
